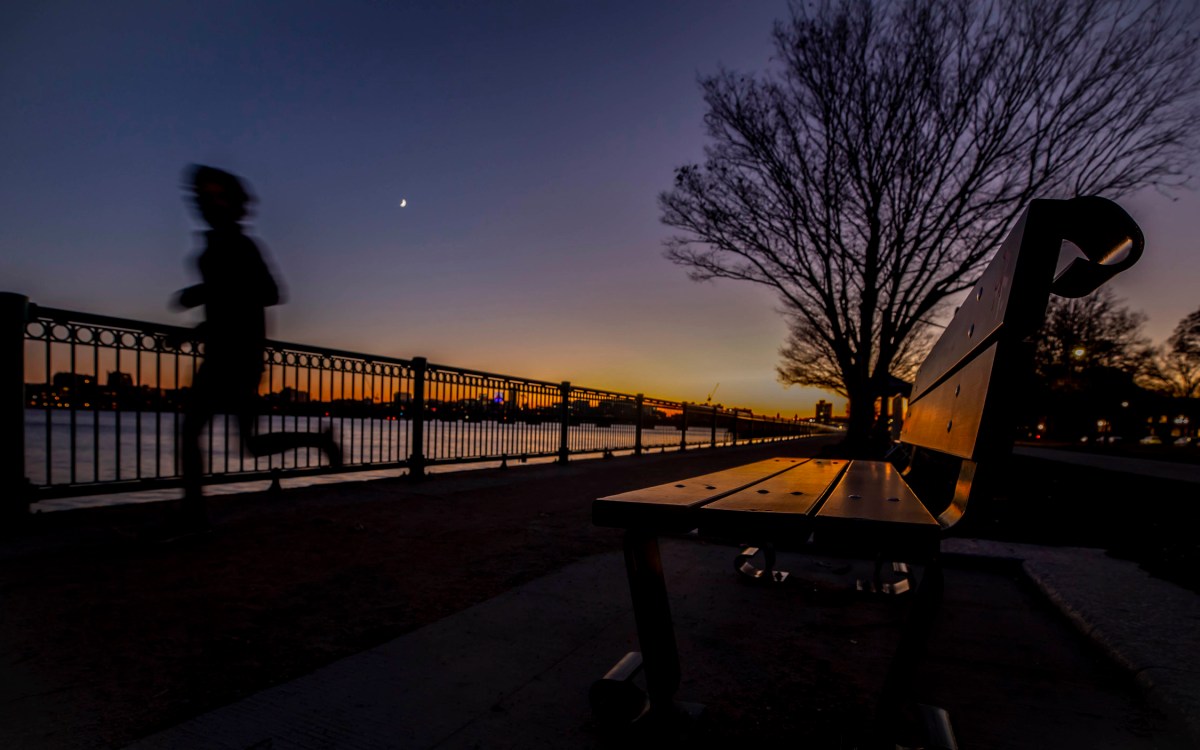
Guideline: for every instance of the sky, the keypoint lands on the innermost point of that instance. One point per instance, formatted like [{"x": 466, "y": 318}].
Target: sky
[{"x": 528, "y": 140}]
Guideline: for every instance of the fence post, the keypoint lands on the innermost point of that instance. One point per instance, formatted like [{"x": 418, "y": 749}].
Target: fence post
[
  {"x": 13, "y": 484},
  {"x": 733, "y": 436},
  {"x": 639, "y": 401},
  {"x": 683, "y": 420},
  {"x": 416, "y": 458},
  {"x": 712, "y": 440},
  {"x": 564, "y": 448}
]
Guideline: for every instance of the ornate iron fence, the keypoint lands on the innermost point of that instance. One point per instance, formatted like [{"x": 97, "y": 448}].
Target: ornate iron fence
[{"x": 94, "y": 404}]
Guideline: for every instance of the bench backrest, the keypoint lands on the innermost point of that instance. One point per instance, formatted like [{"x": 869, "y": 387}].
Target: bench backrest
[{"x": 964, "y": 396}]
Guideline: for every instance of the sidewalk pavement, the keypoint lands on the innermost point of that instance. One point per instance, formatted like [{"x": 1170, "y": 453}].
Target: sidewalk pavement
[
  {"x": 1145, "y": 624},
  {"x": 770, "y": 663},
  {"x": 1146, "y": 467}
]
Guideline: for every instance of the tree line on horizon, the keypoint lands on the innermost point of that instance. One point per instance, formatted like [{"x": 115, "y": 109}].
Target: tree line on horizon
[{"x": 1098, "y": 377}]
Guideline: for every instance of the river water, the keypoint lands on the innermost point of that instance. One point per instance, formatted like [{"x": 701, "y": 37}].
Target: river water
[{"x": 107, "y": 446}]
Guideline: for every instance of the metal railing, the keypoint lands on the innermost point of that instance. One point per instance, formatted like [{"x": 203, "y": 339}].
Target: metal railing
[{"x": 94, "y": 404}]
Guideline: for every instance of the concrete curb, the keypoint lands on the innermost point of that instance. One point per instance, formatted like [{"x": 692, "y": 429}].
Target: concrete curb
[{"x": 1146, "y": 625}]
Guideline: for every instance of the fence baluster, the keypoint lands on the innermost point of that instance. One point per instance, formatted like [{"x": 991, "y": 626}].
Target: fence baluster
[
  {"x": 565, "y": 411},
  {"x": 683, "y": 425},
  {"x": 416, "y": 457},
  {"x": 13, "y": 309}
]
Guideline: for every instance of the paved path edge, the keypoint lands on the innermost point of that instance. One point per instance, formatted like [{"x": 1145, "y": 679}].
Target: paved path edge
[{"x": 1146, "y": 625}]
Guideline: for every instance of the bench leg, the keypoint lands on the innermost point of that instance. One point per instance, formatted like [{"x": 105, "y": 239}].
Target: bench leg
[
  {"x": 744, "y": 565},
  {"x": 886, "y": 588},
  {"x": 652, "y": 612},
  {"x": 913, "y": 636},
  {"x": 615, "y": 699}
]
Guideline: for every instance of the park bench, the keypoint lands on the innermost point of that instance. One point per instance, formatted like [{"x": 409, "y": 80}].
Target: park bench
[{"x": 959, "y": 428}]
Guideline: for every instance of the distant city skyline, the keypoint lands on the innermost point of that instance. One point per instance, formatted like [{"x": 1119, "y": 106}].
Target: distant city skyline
[{"x": 527, "y": 143}]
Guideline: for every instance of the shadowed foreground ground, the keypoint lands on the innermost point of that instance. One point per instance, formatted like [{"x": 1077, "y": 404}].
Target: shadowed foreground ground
[{"x": 107, "y": 639}]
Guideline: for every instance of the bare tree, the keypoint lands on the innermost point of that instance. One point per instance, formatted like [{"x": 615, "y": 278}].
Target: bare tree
[
  {"x": 868, "y": 176},
  {"x": 1174, "y": 368},
  {"x": 1096, "y": 331}
]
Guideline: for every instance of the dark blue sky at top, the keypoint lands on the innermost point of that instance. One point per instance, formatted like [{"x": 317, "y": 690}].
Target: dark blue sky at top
[{"x": 530, "y": 140}]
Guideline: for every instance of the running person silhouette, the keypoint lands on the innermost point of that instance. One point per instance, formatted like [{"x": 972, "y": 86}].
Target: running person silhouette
[{"x": 236, "y": 288}]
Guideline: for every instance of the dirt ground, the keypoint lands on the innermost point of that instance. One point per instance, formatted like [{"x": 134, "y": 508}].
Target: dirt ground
[{"x": 107, "y": 638}]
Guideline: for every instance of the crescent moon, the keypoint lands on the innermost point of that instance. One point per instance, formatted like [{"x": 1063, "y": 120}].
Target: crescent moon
[{"x": 403, "y": 202}]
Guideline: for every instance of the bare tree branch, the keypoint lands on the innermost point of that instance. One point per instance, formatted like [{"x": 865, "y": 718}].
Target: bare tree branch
[{"x": 1174, "y": 368}]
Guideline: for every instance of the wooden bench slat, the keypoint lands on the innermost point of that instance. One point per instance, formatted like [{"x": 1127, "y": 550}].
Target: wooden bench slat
[
  {"x": 794, "y": 492},
  {"x": 875, "y": 491},
  {"x": 947, "y": 418},
  {"x": 775, "y": 508},
  {"x": 707, "y": 486},
  {"x": 672, "y": 503},
  {"x": 982, "y": 313}
]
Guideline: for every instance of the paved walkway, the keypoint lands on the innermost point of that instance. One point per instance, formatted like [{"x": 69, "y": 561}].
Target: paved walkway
[
  {"x": 1145, "y": 467},
  {"x": 781, "y": 665},
  {"x": 1148, "y": 626},
  {"x": 769, "y": 663}
]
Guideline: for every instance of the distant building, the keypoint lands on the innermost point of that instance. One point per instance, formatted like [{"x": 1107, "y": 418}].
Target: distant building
[
  {"x": 897, "y": 413},
  {"x": 293, "y": 395},
  {"x": 824, "y": 411},
  {"x": 65, "y": 381}
]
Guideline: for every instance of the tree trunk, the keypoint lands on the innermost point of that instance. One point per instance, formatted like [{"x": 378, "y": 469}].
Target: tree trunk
[
  {"x": 866, "y": 436},
  {"x": 860, "y": 425}
]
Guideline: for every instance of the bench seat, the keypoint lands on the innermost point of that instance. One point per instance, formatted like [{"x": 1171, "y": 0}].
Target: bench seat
[{"x": 781, "y": 499}]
